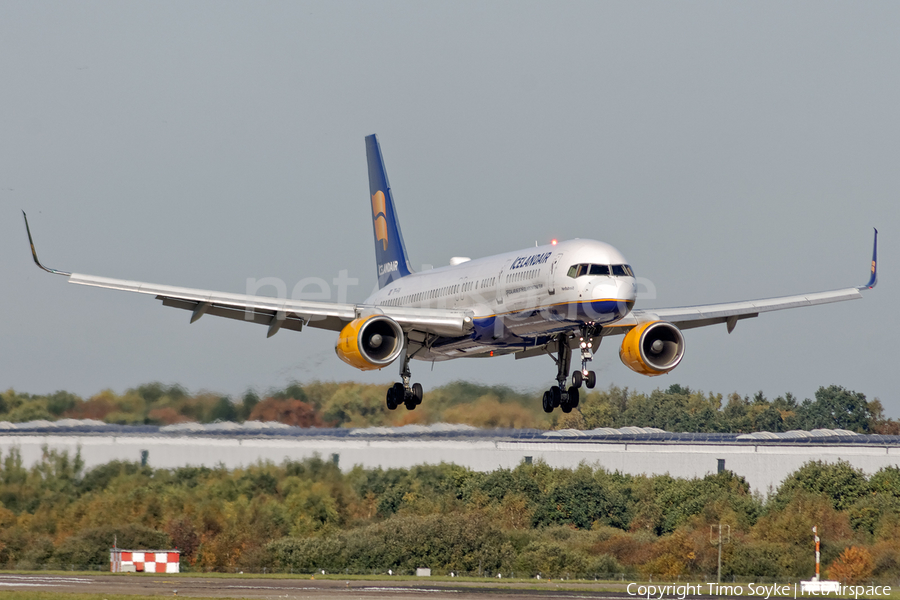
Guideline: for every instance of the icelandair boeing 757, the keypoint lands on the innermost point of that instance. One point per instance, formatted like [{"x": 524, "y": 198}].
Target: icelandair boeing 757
[{"x": 558, "y": 298}]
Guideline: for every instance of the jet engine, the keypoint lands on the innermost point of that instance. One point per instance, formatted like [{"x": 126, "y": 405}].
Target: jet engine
[
  {"x": 370, "y": 342},
  {"x": 653, "y": 348}
]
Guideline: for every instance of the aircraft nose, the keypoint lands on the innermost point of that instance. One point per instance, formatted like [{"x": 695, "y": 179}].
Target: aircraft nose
[
  {"x": 622, "y": 289},
  {"x": 627, "y": 290}
]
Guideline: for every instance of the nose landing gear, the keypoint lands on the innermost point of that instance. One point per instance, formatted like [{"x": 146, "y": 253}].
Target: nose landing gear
[
  {"x": 558, "y": 395},
  {"x": 586, "y": 343},
  {"x": 404, "y": 393}
]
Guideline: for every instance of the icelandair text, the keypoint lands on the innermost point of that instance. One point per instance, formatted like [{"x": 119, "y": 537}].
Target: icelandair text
[
  {"x": 388, "y": 267},
  {"x": 528, "y": 261}
]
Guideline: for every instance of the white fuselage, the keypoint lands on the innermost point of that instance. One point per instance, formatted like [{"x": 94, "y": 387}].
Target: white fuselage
[{"x": 517, "y": 298}]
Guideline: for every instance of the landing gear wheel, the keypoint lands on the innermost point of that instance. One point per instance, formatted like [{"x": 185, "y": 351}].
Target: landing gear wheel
[
  {"x": 395, "y": 396},
  {"x": 419, "y": 392},
  {"x": 591, "y": 380},
  {"x": 409, "y": 397},
  {"x": 555, "y": 396},
  {"x": 573, "y": 398},
  {"x": 577, "y": 378},
  {"x": 558, "y": 395}
]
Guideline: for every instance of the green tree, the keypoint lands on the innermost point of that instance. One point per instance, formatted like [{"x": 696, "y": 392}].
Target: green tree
[
  {"x": 100, "y": 477},
  {"x": 10, "y": 400},
  {"x": 31, "y": 410},
  {"x": 789, "y": 526},
  {"x": 840, "y": 482},
  {"x": 155, "y": 392},
  {"x": 753, "y": 558},
  {"x": 224, "y": 410},
  {"x": 60, "y": 402},
  {"x": 249, "y": 401},
  {"x": 294, "y": 391},
  {"x": 737, "y": 414},
  {"x": 788, "y": 408},
  {"x": 577, "y": 499},
  {"x": 886, "y": 481},
  {"x": 867, "y": 513},
  {"x": 766, "y": 418},
  {"x": 836, "y": 408}
]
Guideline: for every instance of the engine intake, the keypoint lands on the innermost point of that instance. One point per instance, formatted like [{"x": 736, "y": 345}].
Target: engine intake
[
  {"x": 370, "y": 342},
  {"x": 653, "y": 348}
]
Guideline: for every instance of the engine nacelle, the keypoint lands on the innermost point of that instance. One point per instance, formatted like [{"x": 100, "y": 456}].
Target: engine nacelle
[
  {"x": 370, "y": 342},
  {"x": 653, "y": 348}
]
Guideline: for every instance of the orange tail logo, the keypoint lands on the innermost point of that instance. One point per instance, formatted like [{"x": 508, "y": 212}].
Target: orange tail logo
[{"x": 380, "y": 218}]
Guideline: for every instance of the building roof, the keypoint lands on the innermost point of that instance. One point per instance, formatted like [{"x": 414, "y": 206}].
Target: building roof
[{"x": 259, "y": 429}]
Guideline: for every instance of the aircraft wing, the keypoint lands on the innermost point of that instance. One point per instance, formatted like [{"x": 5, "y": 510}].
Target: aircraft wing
[
  {"x": 280, "y": 313},
  {"x": 276, "y": 313},
  {"x": 689, "y": 317}
]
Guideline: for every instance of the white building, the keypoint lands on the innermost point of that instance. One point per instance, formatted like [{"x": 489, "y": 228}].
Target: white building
[{"x": 764, "y": 459}]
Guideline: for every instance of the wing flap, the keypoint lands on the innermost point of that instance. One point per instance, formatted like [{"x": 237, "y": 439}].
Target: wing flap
[{"x": 291, "y": 320}]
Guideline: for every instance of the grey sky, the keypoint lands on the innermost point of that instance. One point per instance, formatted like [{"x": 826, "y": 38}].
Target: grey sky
[{"x": 729, "y": 150}]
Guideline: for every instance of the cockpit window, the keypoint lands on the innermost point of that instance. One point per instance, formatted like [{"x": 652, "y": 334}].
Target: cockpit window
[
  {"x": 622, "y": 271},
  {"x": 576, "y": 271},
  {"x": 580, "y": 270}
]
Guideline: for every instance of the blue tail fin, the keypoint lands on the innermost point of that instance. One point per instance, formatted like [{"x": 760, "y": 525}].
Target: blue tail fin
[{"x": 390, "y": 252}]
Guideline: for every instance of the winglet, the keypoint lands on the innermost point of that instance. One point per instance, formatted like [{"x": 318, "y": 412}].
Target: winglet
[
  {"x": 34, "y": 252},
  {"x": 873, "y": 279}
]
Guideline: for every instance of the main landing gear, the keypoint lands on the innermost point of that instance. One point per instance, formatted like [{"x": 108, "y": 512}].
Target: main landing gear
[
  {"x": 404, "y": 393},
  {"x": 558, "y": 395}
]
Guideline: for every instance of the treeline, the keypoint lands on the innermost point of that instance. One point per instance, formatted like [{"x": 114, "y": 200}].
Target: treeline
[
  {"x": 328, "y": 404},
  {"x": 316, "y": 404},
  {"x": 532, "y": 520},
  {"x": 681, "y": 409}
]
